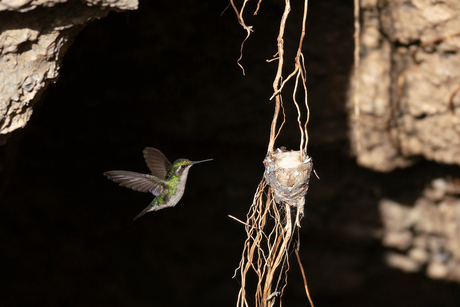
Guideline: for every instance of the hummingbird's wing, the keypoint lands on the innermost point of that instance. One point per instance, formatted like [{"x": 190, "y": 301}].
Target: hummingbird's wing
[
  {"x": 136, "y": 181},
  {"x": 157, "y": 162}
]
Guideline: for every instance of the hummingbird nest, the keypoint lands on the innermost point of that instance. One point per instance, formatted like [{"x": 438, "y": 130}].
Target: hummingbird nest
[{"x": 288, "y": 174}]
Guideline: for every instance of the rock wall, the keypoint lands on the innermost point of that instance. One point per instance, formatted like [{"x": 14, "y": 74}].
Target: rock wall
[
  {"x": 408, "y": 84},
  {"x": 34, "y": 36},
  {"x": 425, "y": 234}
]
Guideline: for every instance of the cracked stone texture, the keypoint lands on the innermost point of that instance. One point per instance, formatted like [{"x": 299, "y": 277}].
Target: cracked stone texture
[
  {"x": 34, "y": 36},
  {"x": 408, "y": 84}
]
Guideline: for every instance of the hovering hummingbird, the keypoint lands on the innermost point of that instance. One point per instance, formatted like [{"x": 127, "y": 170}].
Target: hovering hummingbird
[{"x": 167, "y": 181}]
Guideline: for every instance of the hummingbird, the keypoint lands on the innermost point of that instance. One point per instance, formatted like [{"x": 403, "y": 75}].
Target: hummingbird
[{"x": 166, "y": 181}]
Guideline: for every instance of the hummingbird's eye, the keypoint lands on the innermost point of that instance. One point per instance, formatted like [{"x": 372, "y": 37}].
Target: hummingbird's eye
[{"x": 183, "y": 166}]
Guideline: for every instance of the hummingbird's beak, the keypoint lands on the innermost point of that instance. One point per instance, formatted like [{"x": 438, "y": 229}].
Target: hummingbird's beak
[{"x": 196, "y": 162}]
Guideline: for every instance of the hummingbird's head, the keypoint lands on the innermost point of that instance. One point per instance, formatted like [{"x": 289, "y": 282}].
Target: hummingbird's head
[{"x": 182, "y": 165}]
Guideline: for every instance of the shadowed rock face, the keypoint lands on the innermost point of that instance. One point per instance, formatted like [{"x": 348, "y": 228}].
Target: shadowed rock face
[
  {"x": 34, "y": 36},
  {"x": 426, "y": 233}
]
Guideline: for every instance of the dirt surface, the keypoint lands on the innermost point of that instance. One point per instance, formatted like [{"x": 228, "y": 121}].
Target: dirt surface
[{"x": 166, "y": 76}]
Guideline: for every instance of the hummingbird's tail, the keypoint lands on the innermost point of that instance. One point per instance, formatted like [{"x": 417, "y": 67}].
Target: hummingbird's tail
[
  {"x": 149, "y": 208},
  {"x": 154, "y": 206}
]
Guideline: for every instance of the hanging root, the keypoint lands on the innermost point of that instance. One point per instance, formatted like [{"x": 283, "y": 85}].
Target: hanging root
[
  {"x": 248, "y": 29},
  {"x": 300, "y": 74},
  {"x": 278, "y": 204},
  {"x": 270, "y": 225},
  {"x": 356, "y": 83},
  {"x": 269, "y": 229}
]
